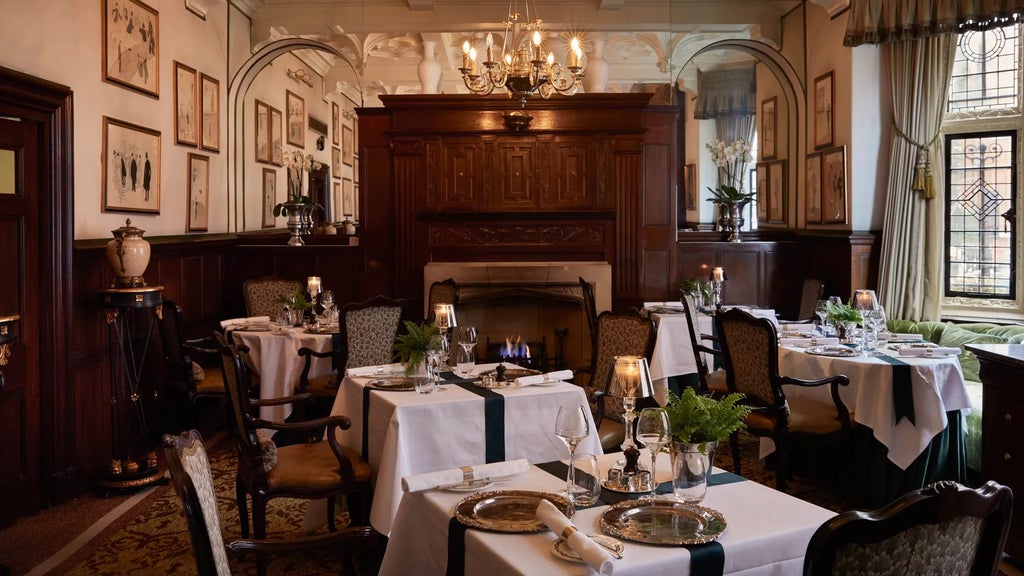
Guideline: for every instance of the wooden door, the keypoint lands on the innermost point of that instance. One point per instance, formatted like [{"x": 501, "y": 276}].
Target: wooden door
[{"x": 20, "y": 294}]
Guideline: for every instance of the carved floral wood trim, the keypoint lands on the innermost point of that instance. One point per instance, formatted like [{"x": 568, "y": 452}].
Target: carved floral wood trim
[{"x": 515, "y": 234}]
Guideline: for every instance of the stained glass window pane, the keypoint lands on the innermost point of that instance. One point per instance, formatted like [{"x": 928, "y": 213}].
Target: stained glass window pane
[{"x": 985, "y": 71}]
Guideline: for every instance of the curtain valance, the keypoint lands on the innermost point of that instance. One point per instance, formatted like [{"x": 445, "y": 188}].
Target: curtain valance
[
  {"x": 730, "y": 92},
  {"x": 883, "y": 21}
]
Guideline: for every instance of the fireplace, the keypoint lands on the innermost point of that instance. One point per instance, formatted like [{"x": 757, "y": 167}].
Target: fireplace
[{"x": 539, "y": 303}]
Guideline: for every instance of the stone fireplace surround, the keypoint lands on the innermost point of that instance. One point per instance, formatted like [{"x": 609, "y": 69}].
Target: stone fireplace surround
[{"x": 527, "y": 299}]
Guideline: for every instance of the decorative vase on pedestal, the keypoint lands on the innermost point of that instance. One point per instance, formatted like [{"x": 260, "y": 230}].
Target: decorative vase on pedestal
[
  {"x": 691, "y": 468},
  {"x": 429, "y": 69},
  {"x": 128, "y": 253},
  {"x": 730, "y": 217},
  {"x": 596, "y": 80}
]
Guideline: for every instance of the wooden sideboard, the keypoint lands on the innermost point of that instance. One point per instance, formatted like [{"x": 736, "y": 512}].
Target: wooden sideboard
[{"x": 1002, "y": 444}]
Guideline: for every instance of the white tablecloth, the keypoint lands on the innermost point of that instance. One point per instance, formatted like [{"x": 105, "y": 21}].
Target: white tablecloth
[
  {"x": 275, "y": 357},
  {"x": 767, "y": 533},
  {"x": 937, "y": 383},
  {"x": 673, "y": 351},
  {"x": 412, "y": 433}
]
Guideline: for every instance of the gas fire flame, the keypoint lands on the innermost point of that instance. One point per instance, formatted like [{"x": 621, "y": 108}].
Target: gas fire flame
[{"x": 515, "y": 348}]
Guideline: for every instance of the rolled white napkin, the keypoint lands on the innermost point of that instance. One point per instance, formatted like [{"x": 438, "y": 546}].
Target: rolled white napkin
[
  {"x": 898, "y": 337},
  {"x": 821, "y": 341},
  {"x": 429, "y": 480},
  {"x": 650, "y": 305},
  {"x": 386, "y": 369},
  {"x": 934, "y": 351},
  {"x": 556, "y": 376},
  {"x": 246, "y": 321},
  {"x": 591, "y": 552},
  {"x": 797, "y": 328}
]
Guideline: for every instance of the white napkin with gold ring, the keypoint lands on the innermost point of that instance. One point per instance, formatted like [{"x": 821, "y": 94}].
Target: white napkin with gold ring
[
  {"x": 246, "y": 321},
  {"x": 823, "y": 341},
  {"x": 464, "y": 475},
  {"x": 557, "y": 376},
  {"x": 928, "y": 352},
  {"x": 591, "y": 552},
  {"x": 384, "y": 370}
]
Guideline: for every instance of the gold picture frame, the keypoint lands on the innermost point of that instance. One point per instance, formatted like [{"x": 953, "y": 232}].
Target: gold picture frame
[
  {"x": 186, "y": 91},
  {"x": 269, "y": 196},
  {"x": 769, "y": 123},
  {"x": 295, "y": 115},
  {"x": 347, "y": 145},
  {"x": 834, "y": 196},
  {"x": 276, "y": 137},
  {"x": 776, "y": 192},
  {"x": 198, "y": 217},
  {"x": 824, "y": 112},
  {"x": 131, "y": 46},
  {"x": 209, "y": 118},
  {"x": 812, "y": 204},
  {"x": 131, "y": 167},
  {"x": 261, "y": 143}
]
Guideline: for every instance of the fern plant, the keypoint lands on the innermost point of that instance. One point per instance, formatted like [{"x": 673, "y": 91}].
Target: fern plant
[
  {"x": 412, "y": 346},
  {"x": 697, "y": 419},
  {"x": 296, "y": 301}
]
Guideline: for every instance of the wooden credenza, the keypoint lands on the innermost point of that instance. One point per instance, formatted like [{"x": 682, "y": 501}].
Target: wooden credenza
[{"x": 1002, "y": 442}]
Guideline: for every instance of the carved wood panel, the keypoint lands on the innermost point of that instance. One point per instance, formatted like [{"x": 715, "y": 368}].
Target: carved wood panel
[
  {"x": 573, "y": 173},
  {"x": 516, "y": 160},
  {"x": 461, "y": 175}
]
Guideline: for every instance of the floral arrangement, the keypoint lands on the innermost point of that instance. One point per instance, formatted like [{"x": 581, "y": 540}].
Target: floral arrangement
[
  {"x": 297, "y": 164},
  {"x": 698, "y": 419},
  {"x": 731, "y": 160}
]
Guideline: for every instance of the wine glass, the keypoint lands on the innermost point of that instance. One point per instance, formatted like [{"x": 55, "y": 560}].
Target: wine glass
[
  {"x": 653, "y": 430},
  {"x": 467, "y": 338},
  {"x": 327, "y": 303},
  {"x": 572, "y": 426},
  {"x": 439, "y": 346},
  {"x": 821, "y": 311}
]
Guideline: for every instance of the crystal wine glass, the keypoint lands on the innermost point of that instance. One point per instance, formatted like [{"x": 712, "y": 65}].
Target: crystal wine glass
[
  {"x": 653, "y": 430},
  {"x": 439, "y": 345},
  {"x": 467, "y": 338},
  {"x": 327, "y": 303},
  {"x": 821, "y": 311},
  {"x": 572, "y": 426}
]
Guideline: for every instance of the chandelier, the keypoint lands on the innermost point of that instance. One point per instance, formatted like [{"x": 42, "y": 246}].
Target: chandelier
[{"x": 521, "y": 68}]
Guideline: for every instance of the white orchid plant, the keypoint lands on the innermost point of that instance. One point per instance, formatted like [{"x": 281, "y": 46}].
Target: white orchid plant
[
  {"x": 297, "y": 164},
  {"x": 731, "y": 160}
]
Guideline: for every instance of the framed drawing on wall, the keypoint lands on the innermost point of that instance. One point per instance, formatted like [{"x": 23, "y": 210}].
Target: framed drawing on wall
[
  {"x": 347, "y": 146},
  {"x": 690, "y": 184},
  {"x": 824, "y": 94},
  {"x": 777, "y": 192},
  {"x": 276, "y": 135},
  {"x": 262, "y": 140},
  {"x": 335, "y": 162},
  {"x": 209, "y": 118},
  {"x": 768, "y": 127},
  {"x": 131, "y": 167},
  {"x": 131, "y": 45},
  {"x": 269, "y": 196},
  {"x": 355, "y": 202},
  {"x": 295, "y": 109},
  {"x": 812, "y": 202},
  {"x": 355, "y": 169},
  {"x": 833, "y": 185},
  {"x": 348, "y": 198},
  {"x": 762, "y": 192},
  {"x": 335, "y": 124},
  {"x": 338, "y": 211},
  {"x": 185, "y": 132},
  {"x": 198, "y": 193}
]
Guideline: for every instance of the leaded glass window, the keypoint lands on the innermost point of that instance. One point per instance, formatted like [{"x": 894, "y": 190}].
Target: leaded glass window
[
  {"x": 985, "y": 71},
  {"x": 981, "y": 189}
]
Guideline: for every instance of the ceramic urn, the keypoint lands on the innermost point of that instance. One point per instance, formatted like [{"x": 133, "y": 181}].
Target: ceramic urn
[{"x": 128, "y": 254}]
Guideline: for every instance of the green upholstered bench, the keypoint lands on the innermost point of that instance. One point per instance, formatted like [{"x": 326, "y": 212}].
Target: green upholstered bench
[{"x": 957, "y": 335}]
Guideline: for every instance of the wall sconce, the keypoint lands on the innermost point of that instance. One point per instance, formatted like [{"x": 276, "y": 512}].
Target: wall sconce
[{"x": 301, "y": 75}]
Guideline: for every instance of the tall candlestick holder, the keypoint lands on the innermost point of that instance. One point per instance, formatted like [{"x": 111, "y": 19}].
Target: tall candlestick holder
[
  {"x": 444, "y": 320},
  {"x": 717, "y": 278},
  {"x": 631, "y": 380}
]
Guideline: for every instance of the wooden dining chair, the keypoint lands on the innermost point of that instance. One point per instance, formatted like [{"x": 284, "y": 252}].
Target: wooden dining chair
[
  {"x": 751, "y": 358},
  {"x": 711, "y": 381},
  {"x": 590, "y": 312},
  {"x": 943, "y": 528},
  {"x": 261, "y": 294},
  {"x": 813, "y": 290},
  {"x": 310, "y": 470},
  {"x": 442, "y": 292},
  {"x": 193, "y": 482},
  {"x": 193, "y": 365}
]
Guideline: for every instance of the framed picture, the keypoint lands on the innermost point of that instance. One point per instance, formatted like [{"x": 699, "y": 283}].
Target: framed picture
[
  {"x": 131, "y": 46},
  {"x": 262, "y": 142},
  {"x": 335, "y": 124},
  {"x": 347, "y": 146},
  {"x": 768, "y": 127},
  {"x": 812, "y": 204},
  {"x": 269, "y": 196},
  {"x": 777, "y": 192},
  {"x": 209, "y": 118},
  {"x": 833, "y": 185},
  {"x": 295, "y": 108},
  {"x": 338, "y": 213},
  {"x": 824, "y": 94},
  {"x": 335, "y": 162},
  {"x": 185, "y": 132},
  {"x": 690, "y": 183},
  {"x": 348, "y": 197},
  {"x": 276, "y": 137},
  {"x": 762, "y": 192},
  {"x": 131, "y": 167},
  {"x": 355, "y": 200},
  {"x": 355, "y": 169},
  {"x": 198, "y": 193}
]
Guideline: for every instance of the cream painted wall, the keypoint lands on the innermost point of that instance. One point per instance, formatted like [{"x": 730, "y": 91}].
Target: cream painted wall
[{"x": 60, "y": 41}]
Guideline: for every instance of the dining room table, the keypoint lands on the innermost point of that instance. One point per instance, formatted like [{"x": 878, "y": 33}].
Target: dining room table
[
  {"x": 460, "y": 423},
  {"x": 766, "y": 532},
  {"x": 273, "y": 354},
  {"x": 912, "y": 406}
]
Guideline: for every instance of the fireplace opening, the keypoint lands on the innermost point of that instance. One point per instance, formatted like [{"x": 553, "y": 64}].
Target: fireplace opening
[{"x": 528, "y": 354}]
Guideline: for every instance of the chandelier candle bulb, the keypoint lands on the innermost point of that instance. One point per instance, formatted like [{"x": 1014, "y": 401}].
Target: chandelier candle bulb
[
  {"x": 490, "y": 47},
  {"x": 472, "y": 60},
  {"x": 465, "y": 55}
]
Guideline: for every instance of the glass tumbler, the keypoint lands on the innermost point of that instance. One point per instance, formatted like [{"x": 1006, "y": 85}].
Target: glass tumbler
[{"x": 586, "y": 487}]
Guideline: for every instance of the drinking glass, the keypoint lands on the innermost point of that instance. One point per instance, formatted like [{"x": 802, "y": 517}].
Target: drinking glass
[
  {"x": 427, "y": 384},
  {"x": 439, "y": 344},
  {"x": 327, "y": 303},
  {"x": 572, "y": 426},
  {"x": 821, "y": 311},
  {"x": 467, "y": 339},
  {"x": 652, "y": 429},
  {"x": 587, "y": 482}
]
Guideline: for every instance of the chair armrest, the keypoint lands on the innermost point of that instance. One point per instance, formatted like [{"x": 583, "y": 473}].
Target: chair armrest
[
  {"x": 709, "y": 337},
  {"x": 203, "y": 346},
  {"x": 834, "y": 383},
  {"x": 307, "y": 354},
  {"x": 342, "y": 422},
  {"x": 597, "y": 397},
  {"x": 300, "y": 397},
  {"x": 705, "y": 349}
]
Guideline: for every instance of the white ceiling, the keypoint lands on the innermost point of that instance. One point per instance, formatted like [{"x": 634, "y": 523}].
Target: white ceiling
[{"x": 645, "y": 41}]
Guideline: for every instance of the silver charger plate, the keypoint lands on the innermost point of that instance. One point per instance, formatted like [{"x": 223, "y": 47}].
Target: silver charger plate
[
  {"x": 394, "y": 383},
  {"x": 561, "y": 549},
  {"x": 833, "y": 350},
  {"x": 508, "y": 510},
  {"x": 664, "y": 522}
]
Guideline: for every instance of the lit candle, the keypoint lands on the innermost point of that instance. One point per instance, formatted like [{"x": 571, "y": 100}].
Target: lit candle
[
  {"x": 718, "y": 274},
  {"x": 465, "y": 54},
  {"x": 536, "y": 45},
  {"x": 574, "y": 53},
  {"x": 490, "y": 47},
  {"x": 313, "y": 285},
  {"x": 472, "y": 61}
]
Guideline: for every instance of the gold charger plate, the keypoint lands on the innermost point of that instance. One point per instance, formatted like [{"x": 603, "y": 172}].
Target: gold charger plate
[
  {"x": 663, "y": 522},
  {"x": 833, "y": 350},
  {"x": 395, "y": 383},
  {"x": 507, "y": 510},
  {"x": 561, "y": 549},
  {"x": 513, "y": 373}
]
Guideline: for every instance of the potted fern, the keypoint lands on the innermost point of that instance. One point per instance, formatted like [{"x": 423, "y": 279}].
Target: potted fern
[
  {"x": 412, "y": 346},
  {"x": 698, "y": 424},
  {"x": 845, "y": 318},
  {"x": 296, "y": 305}
]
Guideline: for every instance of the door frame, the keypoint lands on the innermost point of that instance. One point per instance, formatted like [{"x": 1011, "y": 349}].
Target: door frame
[{"x": 50, "y": 105}]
